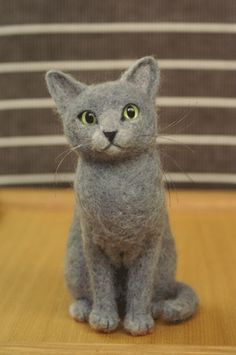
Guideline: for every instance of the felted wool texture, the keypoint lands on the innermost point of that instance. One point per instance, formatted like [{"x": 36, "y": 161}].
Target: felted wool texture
[{"x": 120, "y": 244}]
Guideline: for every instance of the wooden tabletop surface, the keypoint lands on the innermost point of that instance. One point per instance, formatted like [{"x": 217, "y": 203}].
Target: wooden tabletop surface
[{"x": 34, "y": 301}]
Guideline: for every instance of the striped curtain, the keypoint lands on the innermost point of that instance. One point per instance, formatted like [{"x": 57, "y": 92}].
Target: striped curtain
[{"x": 195, "y": 43}]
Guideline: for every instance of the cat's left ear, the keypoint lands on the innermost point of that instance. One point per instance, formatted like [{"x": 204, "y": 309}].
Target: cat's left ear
[
  {"x": 144, "y": 74},
  {"x": 63, "y": 88}
]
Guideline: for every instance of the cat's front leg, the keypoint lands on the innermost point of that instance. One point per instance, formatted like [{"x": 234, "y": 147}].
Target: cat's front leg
[
  {"x": 104, "y": 314},
  {"x": 138, "y": 319}
]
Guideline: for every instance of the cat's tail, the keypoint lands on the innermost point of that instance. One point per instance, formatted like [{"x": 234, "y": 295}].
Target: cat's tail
[{"x": 183, "y": 306}]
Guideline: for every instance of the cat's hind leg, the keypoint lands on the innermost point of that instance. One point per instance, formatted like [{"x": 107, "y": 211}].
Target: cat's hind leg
[
  {"x": 182, "y": 306},
  {"x": 76, "y": 275},
  {"x": 173, "y": 301}
]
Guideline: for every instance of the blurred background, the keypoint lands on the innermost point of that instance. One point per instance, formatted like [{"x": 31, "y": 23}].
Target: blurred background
[{"x": 95, "y": 41}]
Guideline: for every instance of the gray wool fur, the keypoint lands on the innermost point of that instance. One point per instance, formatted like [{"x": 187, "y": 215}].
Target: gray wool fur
[{"x": 121, "y": 258}]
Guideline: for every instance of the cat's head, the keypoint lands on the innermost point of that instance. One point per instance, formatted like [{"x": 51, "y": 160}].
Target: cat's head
[{"x": 110, "y": 120}]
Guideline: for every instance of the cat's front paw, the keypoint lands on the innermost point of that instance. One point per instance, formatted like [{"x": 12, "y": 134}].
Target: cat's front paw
[
  {"x": 80, "y": 309},
  {"x": 103, "y": 321},
  {"x": 138, "y": 324}
]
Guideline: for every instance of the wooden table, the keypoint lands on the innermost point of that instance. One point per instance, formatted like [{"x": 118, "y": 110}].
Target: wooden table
[{"x": 34, "y": 301}]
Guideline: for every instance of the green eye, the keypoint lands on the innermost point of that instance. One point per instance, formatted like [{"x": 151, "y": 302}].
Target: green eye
[
  {"x": 130, "y": 112},
  {"x": 87, "y": 118}
]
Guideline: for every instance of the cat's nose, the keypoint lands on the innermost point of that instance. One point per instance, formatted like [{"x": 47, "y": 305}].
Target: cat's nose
[{"x": 110, "y": 135}]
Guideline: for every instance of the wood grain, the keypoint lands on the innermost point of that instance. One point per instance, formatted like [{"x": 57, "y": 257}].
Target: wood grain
[{"x": 34, "y": 301}]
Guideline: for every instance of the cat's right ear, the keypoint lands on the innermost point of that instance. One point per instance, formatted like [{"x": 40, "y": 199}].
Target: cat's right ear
[
  {"x": 144, "y": 74},
  {"x": 62, "y": 88}
]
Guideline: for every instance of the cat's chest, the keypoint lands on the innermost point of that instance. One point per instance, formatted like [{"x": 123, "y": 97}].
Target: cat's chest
[{"x": 120, "y": 198}]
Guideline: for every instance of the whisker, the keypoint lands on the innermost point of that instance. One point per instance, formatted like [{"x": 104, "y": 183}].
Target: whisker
[
  {"x": 145, "y": 135},
  {"x": 71, "y": 150},
  {"x": 177, "y": 165},
  {"x": 174, "y": 191},
  {"x": 64, "y": 152},
  {"x": 187, "y": 126},
  {"x": 168, "y": 184},
  {"x": 184, "y": 128},
  {"x": 177, "y": 142},
  {"x": 176, "y": 122},
  {"x": 168, "y": 139}
]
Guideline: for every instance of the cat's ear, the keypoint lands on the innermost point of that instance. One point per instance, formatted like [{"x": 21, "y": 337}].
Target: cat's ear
[
  {"x": 62, "y": 88},
  {"x": 144, "y": 74}
]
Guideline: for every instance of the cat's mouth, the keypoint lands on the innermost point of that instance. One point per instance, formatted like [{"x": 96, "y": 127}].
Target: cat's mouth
[{"x": 112, "y": 145}]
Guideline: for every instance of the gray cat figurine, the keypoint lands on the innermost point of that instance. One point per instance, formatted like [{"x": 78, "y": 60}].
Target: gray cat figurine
[{"x": 120, "y": 248}]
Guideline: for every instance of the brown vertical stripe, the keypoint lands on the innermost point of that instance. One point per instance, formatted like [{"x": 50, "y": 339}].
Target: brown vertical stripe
[
  {"x": 43, "y": 159},
  {"x": 173, "y": 83},
  {"x": 29, "y": 122},
  {"x": 172, "y": 120},
  {"x": 194, "y": 120},
  {"x": 28, "y": 11},
  {"x": 117, "y": 46}
]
